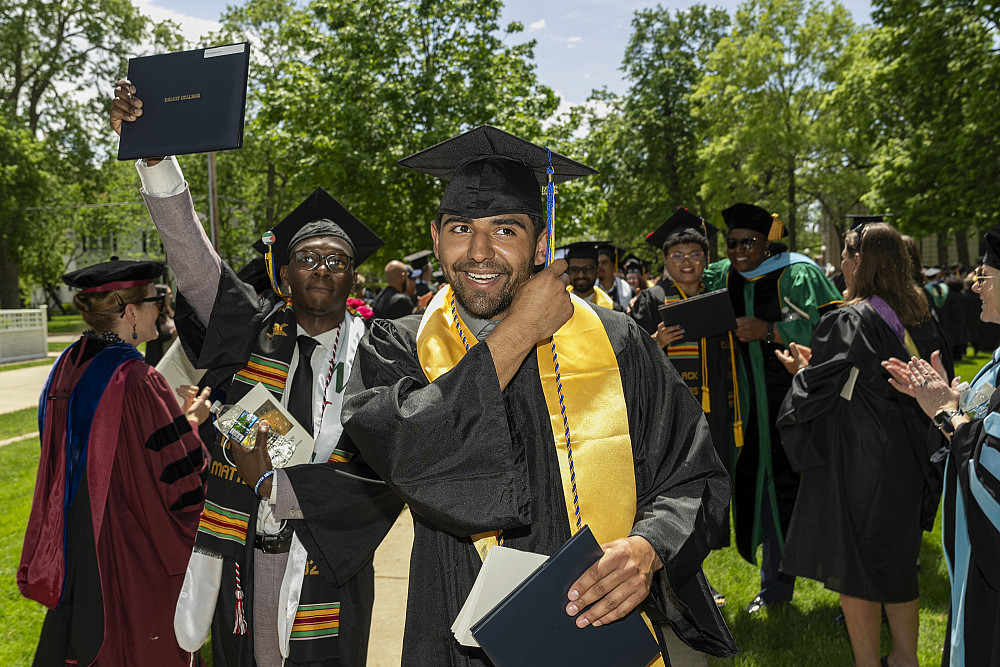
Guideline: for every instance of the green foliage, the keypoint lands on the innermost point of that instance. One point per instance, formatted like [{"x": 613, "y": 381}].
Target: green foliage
[
  {"x": 937, "y": 79},
  {"x": 645, "y": 143},
  {"x": 765, "y": 103}
]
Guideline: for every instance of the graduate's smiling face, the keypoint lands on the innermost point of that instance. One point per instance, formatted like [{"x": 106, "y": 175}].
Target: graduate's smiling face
[
  {"x": 746, "y": 249},
  {"x": 485, "y": 260},
  {"x": 319, "y": 292},
  {"x": 582, "y": 275},
  {"x": 685, "y": 262}
]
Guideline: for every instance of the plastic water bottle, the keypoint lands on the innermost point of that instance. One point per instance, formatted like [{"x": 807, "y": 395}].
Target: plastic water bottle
[{"x": 240, "y": 427}]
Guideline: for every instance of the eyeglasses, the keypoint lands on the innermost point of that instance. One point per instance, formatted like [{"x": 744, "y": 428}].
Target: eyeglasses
[
  {"x": 746, "y": 244},
  {"x": 980, "y": 276},
  {"x": 159, "y": 300},
  {"x": 577, "y": 270},
  {"x": 695, "y": 256},
  {"x": 307, "y": 260}
]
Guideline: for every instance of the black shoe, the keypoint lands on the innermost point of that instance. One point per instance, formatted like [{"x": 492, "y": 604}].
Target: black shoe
[
  {"x": 759, "y": 603},
  {"x": 720, "y": 599}
]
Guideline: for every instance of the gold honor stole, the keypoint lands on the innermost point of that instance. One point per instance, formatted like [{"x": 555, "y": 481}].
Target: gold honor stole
[
  {"x": 595, "y": 408},
  {"x": 601, "y": 298}
]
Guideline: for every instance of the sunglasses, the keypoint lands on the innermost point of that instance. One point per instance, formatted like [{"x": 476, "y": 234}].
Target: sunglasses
[
  {"x": 746, "y": 244},
  {"x": 307, "y": 260},
  {"x": 159, "y": 300}
]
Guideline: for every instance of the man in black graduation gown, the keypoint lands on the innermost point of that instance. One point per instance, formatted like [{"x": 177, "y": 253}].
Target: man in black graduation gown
[
  {"x": 393, "y": 302},
  {"x": 454, "y": 411}
]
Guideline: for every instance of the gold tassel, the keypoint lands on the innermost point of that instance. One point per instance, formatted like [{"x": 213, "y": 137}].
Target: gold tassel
[
  {"x": 777, "y": 228},
  {"x": 706, "y": 403},
  {"x": 738, "y": 421}
]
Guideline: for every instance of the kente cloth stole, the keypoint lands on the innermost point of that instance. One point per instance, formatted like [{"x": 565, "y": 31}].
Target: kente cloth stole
[
  {"x": 601, "y": 298},
  {"x": 230, "y": 506},
  {"x": 595, "y": 410}
]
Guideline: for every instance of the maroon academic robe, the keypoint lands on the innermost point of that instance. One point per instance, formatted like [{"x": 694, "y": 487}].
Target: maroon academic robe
[{"x": 111, "y": 567}]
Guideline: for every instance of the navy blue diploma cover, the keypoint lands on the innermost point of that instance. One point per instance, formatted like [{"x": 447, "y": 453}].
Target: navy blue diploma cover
[
  {"x": 192, "y": 102},
  {"x": 701, "y": 316},
  {"x": 531, "y": 627}
]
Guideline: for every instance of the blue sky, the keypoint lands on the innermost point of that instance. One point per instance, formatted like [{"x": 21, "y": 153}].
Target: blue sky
[{"x": 580, "y": 42}]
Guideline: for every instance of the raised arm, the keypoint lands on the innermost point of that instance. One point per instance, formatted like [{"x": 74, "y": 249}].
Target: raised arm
[{"x": 191, "y": 256}]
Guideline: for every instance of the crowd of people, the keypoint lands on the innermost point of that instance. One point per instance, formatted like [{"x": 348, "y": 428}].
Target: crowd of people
[{"x": 528, "y": 392}]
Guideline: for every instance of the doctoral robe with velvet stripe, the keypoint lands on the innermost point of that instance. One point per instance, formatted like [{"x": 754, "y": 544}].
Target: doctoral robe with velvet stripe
[
  {"x": 468, "y": 458},
  {"x": 125, "y": 563},
  {"x": 868, "y": 485},
  {"x": 970, "y": 531}
]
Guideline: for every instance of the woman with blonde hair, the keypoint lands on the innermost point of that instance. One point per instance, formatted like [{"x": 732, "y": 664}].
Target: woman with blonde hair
[
  {"x": 868, "y": 486},
  {"x": 120, "y": 484}
]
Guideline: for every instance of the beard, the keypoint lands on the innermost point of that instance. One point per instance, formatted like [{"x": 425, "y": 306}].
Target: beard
[
  {"x": 582, "y": 285},
  {"x": 483, "y": 304}
]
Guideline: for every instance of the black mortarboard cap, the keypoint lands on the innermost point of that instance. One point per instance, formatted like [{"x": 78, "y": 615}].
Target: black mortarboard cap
[
  {"x": 114, "y": 275},
  {"x": 579, "y": 250},
  {"x": 631, "y": 260},
  {"x": 418, "y": 260},
  {"x": 755, "y": 218},
  {"x": 492, "y": 172},
  {"x": 992, "y": 257},
  {"x": 611, "y": 250},
  {"x": 335, "y": 220},
  {"x": 254, "y": 273},
  {"x": 681, "y": 220}
]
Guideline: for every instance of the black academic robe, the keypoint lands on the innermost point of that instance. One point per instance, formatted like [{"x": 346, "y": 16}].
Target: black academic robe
[
  {"x": 867, "y": 482},
  {"x": 468, "y": 458},
  {"x": 341, "y": 503},
  {"x": 391, "y": 304},
  {"x": 686, "y": 357}
]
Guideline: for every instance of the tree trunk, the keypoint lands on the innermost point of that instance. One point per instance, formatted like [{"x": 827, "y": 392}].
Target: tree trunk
[
  {"x": 791, "y": 209},
  {"x": 942, "y": 249},
  {"x": 962, "y": 245},
  {"x": 10, "y": 296}
]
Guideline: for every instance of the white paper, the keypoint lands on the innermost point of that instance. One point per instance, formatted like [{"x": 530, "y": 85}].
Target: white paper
[
  {"x": 177, "y": 369},
  {"x": 503, "y": 570},
  {"x": 225, "y": 50}
]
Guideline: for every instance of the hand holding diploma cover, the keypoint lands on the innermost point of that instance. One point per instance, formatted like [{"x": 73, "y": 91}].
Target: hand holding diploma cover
[
  {"x": 701, "y": 316},
  {"x": 193, "y": 102},
  {"x": 530, "y": 625}
]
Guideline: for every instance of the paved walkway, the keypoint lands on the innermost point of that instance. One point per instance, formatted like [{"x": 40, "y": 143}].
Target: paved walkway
[{"x": 20, "y": 388}]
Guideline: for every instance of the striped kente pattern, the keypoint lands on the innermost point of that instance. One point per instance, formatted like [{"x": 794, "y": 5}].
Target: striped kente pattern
[
  {"x": 224, "y": 523},
  {"x": 269, "y": 372},
  {"x": 315, "y": 621},
  {"x": 341, "y": 456}
]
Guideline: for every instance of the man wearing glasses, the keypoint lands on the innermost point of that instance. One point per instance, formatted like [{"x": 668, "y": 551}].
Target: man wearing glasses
[
  {"x": 778, "y": 297},
  {"x": 582, "y": 259},
  {"x": 255, "y": 580}
]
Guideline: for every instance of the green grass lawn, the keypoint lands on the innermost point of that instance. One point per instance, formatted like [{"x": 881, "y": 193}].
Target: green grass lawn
[{"x": 67, "y": 324}]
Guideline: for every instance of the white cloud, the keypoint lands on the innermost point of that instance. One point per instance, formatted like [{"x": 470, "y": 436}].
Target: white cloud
[
  {"x": 573, "y": 40},
  {"x": 537, "y": 25},
  {"x": 193, "y": 29}
]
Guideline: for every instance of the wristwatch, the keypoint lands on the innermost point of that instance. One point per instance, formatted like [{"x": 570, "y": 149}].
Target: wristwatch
[
  {"x": 943, "y": 421},
  {"x": 769, "y": 336}
]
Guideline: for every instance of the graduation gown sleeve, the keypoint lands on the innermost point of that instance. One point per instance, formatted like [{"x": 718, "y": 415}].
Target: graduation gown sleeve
[
  {"x": 811, "y": 292},
  {"x": 445, "y": 446}
]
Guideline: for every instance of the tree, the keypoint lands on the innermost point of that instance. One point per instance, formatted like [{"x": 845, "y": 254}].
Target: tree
[
  {"x": 937, "y": 78},
  {"x": 342, "y": 90},
  {"x": 764, "y": 100},
  {"x": 646, "y": 144},
  {"x": 22, "y": 183}
]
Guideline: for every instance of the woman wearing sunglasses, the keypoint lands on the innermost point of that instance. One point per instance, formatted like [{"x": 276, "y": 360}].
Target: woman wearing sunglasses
[
  {"x": 778, "y": 297},
  {"x": 120, "y": 484},
  {"x": 969, "y": 418}
]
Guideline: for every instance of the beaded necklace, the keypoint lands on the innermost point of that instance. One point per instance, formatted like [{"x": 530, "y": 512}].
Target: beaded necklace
[{"x": 329, "y": 373}]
